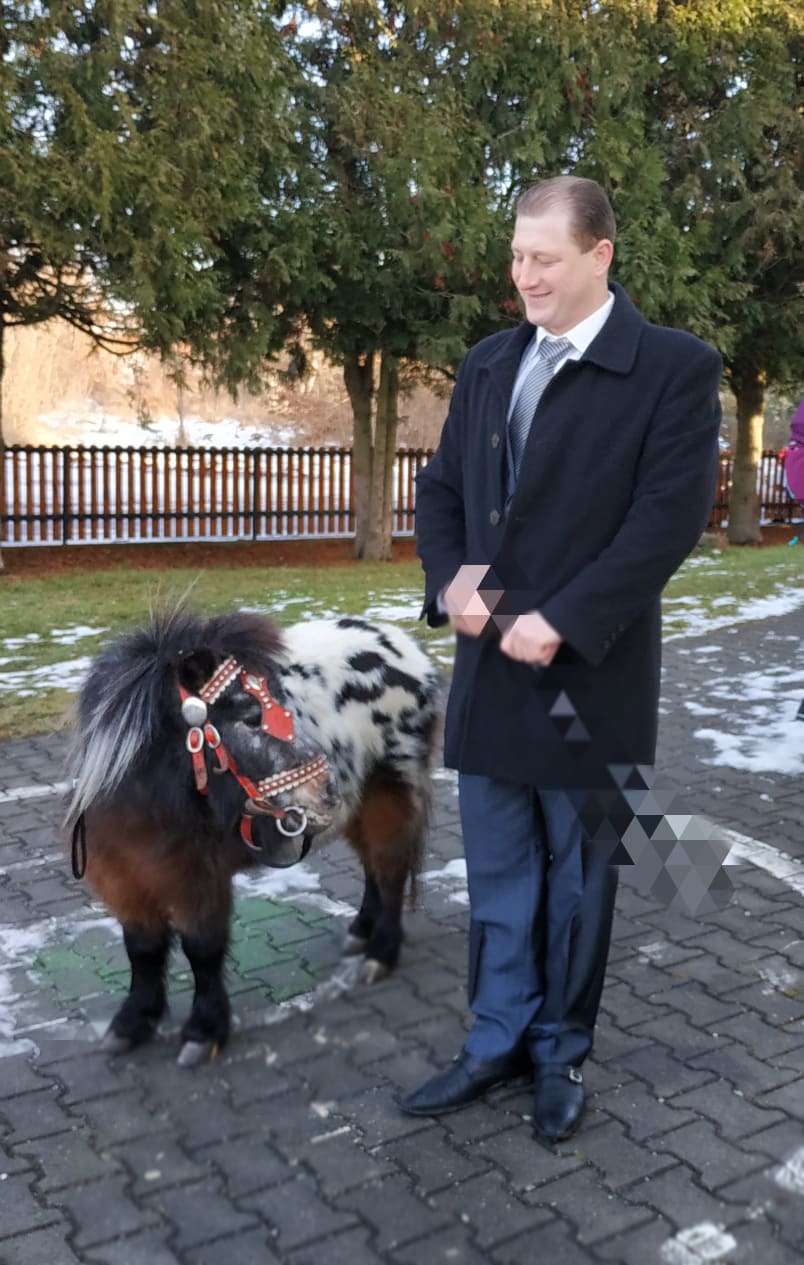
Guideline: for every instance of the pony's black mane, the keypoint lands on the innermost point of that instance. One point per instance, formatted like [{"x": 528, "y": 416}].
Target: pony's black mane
[
  {"x": 253, "y": 639},
  {"x": 133, "y": 683}
]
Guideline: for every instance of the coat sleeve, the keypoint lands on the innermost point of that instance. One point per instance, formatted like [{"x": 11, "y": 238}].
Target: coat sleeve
[
  {"x": 794, "y": 472},
  {"x": 670, "y": 506},
  {"x": 440, "y": 518}
]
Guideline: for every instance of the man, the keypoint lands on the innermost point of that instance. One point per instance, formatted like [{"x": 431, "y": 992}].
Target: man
[{"x": 575, "y": 472}]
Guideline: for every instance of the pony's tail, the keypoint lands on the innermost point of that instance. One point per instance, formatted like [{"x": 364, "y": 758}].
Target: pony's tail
[{"x": 422, "y": 788}]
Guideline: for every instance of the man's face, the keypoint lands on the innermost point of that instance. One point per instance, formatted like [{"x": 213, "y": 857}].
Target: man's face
[{"x": 559, "y": 283}]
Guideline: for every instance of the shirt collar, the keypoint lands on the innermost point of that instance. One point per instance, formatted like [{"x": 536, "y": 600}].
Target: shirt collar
[{"x": 582, "y": 334}]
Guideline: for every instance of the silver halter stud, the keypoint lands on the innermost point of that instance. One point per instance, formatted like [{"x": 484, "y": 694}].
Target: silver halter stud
[{"x": 194, "y": 710}]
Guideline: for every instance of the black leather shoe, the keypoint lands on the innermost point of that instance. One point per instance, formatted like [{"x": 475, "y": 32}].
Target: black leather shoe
[
  {"x": 466, "y": 1079},
  {"x": 558, "y": 1101}
]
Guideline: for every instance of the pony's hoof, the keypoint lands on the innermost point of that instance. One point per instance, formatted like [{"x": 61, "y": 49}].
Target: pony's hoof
[
  {"x": 372, "y": 971},
  {"x": 112, "y": 1043},
  {"x": 353, "y": 945},
  {"x": 194, "y": 1053}
]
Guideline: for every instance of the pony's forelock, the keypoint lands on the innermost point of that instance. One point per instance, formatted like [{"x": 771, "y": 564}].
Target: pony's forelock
[{"x": 253, "y": 639}]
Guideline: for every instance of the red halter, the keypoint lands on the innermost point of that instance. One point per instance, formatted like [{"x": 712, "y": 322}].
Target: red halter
[{"x": 276, "y": 721}]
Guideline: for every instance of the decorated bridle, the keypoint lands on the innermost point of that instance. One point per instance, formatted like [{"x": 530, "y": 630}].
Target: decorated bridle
[{"x": 276, "y": 721}]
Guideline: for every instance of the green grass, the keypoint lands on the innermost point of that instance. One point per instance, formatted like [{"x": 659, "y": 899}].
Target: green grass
[
  {"x": 48, "y": 623},
  {"x": 717, "y": 584},
  {"x": 119, "y": 599}
]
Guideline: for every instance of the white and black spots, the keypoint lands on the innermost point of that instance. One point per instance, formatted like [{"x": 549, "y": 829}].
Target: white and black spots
[{"x": 369, "y": 697}]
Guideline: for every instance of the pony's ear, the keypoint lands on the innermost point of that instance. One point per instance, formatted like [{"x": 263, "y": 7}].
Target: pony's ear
[{"x": 195, "y": 667}]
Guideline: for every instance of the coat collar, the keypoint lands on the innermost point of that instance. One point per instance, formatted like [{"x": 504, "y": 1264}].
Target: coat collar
[{"x": 614, "y": 348}]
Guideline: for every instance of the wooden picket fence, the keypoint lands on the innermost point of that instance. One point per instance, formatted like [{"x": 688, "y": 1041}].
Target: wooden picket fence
[
  {"x": 98, "y": 495},
  {"x": 775, "y": 504}
]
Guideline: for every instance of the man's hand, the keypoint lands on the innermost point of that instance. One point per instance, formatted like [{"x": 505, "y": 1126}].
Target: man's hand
[
  {"x": 530, "y": 639},
  {"x": 467, "y": 611}
]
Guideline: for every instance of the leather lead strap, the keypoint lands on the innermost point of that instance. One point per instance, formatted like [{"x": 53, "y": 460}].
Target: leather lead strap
[{"x": 79, "y": 848}]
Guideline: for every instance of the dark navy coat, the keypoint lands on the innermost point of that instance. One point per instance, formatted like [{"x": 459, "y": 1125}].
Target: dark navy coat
[{"x": 616, "y": 484}]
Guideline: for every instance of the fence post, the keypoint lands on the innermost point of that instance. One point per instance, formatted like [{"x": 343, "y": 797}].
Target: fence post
[
  {"x": 65, "y": 493},
  {"x": 254, "y": 491}
]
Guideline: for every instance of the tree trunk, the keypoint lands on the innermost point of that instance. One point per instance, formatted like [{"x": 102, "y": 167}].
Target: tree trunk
[
  {"x": 2, "y": 441},
  {"x": 178, "y": 375},
  {"x": 749, "y": 390},
  {"x": 392, "y": 424},
  {"x": 358, "y": 375},
  {"x": 378, "y": 544}
]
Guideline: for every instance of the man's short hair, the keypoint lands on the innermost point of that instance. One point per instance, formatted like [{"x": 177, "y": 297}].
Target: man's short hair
[{"x": 591, "y": 216}]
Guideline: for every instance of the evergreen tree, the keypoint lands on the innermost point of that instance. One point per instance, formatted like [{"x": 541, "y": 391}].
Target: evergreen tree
[
  {"x": 729, "y": 120},
  {"x": 133, "y": 138},
  {"x": 693, "y": 121},
  {"x": 426, "y": 118}
]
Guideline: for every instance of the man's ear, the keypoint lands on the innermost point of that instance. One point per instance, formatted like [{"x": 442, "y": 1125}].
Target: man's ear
[{"x": 604, "y": 253}]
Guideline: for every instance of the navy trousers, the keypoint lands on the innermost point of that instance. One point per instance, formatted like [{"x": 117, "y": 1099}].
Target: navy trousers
[{"x": 541, "y": 902}]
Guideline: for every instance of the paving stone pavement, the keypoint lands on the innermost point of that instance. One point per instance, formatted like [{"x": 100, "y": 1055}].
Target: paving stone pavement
[{"x": 289, "y": 1148}]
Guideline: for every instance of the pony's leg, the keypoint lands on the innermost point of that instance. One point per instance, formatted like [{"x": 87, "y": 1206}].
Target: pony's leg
[
  {"x": 207, "y": 1026},
  {"x": 385, "y": 939},
  {"x": 391, "y": 860},
  {"x": 387, "y": 834},
  {"x": 137, "y": 1018},
  {"x": 362, "y": 925}
]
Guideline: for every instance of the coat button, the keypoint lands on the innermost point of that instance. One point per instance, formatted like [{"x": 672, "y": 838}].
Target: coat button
[
  {"x": 495, "y": 440},
  {"x": 494, "y": 517}
]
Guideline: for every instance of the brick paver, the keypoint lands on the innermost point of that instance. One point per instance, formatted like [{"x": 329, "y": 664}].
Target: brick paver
[{"x": 289, "y": 1147}]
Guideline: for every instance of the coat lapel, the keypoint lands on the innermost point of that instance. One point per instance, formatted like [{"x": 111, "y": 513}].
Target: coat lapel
[{"x": 502, "y": 362}]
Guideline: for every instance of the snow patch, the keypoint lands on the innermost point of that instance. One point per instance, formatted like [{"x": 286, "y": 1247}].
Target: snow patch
[
  {"x": 703, "y": 1244},
  {"x": 451, "y": 881},
  {"x": 791, "y": 1174},
  {"x": 703, "y": 621},
  {"x": 65, "y": 676}
]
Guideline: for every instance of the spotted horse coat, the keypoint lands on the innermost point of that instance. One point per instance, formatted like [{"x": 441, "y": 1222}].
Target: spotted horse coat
[{"x": 372, "y": 700}]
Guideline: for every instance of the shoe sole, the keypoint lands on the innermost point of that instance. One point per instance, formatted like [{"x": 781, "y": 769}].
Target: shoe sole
[{"x": 552, "y": 1138}]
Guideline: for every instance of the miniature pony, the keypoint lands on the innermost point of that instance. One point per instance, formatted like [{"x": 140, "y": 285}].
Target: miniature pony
[{"x": 204, "y": 746}]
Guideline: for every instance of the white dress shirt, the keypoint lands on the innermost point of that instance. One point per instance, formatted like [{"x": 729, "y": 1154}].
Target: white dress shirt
[{"x": 580, "y": 336}]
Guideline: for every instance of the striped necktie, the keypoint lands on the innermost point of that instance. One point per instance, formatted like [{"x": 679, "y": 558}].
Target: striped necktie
[{"x": 551, "y": 351}]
